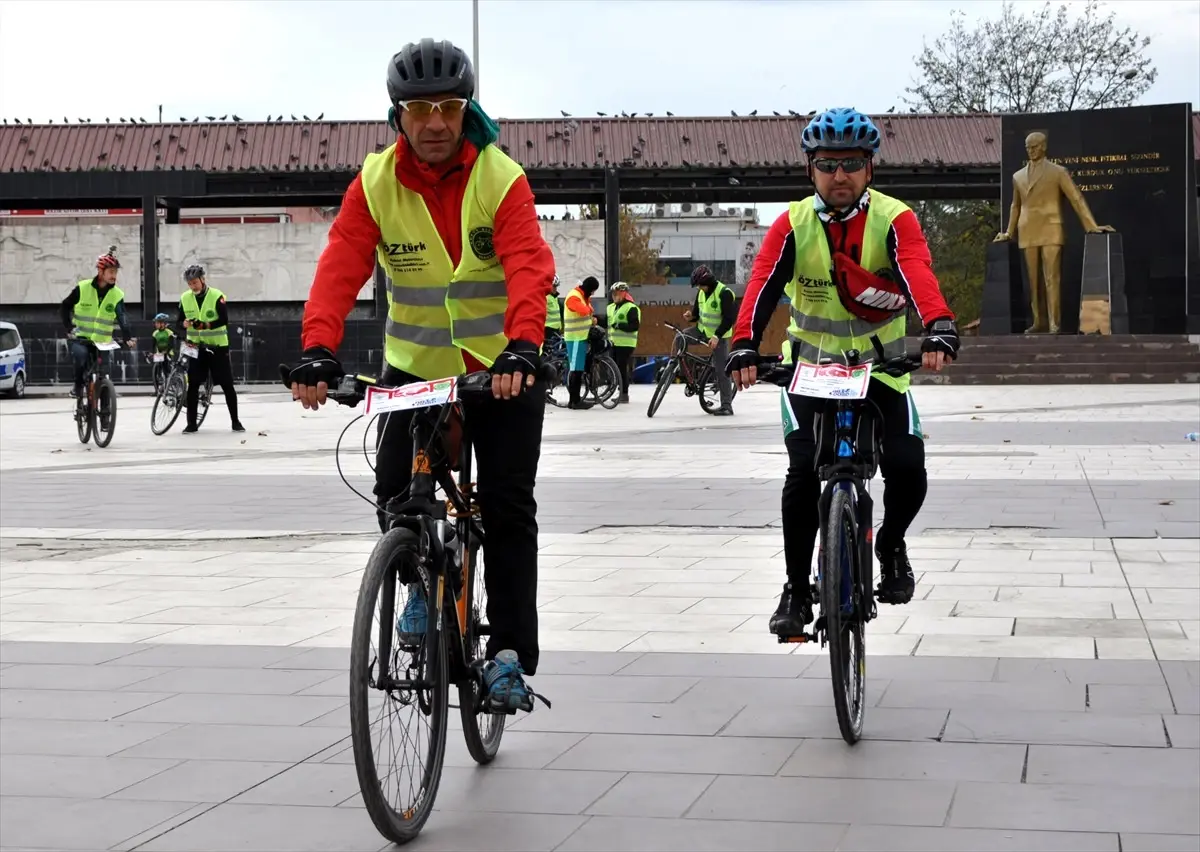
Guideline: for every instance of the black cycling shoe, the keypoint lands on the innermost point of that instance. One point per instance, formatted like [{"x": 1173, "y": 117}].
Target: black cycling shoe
[
  {"x": 794, "y": 613},
  {"x": 896, "y": 584}
]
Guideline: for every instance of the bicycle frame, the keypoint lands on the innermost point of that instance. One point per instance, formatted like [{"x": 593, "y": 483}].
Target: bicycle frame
[{"x": 689, "y": 364}]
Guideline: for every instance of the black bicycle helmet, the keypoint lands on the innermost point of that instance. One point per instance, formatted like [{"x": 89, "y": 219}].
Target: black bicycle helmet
[
  {"x": 702, "y": 275},
  {"x": 429, "y": 67},
  {"x": 193, "y": 272}
]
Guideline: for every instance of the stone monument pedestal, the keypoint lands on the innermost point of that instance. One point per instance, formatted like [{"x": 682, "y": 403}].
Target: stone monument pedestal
[
  {"x": 1103, "y": 308},
  {"x": 1005, "y": 305}
]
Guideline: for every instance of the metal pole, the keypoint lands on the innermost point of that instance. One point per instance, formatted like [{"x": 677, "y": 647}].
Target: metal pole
[{"x": 475, "y": 35}]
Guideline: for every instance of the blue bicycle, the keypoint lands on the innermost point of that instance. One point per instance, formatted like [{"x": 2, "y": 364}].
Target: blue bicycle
[{"x": 848, "y": 437}]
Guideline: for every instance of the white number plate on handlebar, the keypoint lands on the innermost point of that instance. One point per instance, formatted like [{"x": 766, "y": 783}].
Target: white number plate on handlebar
[
  {"x": 830, "y": 381},
  {"x": 108, "y": 347},
  {"x": 190, "y": 350},
  {"x": 415, "y": 395},
  {"x": 158, "y": 356}
]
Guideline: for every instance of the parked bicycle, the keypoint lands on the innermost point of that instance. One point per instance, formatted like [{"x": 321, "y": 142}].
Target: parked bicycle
[
  {"x": 96, "y": 407},
  {"x": 601, "y": 376},
  {"x": 433, "y": 547},
  {"x": 699, "y": 376},
  {"x": 171, "y": 397},
  {"x": 848, "y": 440}
]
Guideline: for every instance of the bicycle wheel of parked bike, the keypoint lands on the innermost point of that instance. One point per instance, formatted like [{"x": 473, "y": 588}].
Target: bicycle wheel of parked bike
[
  {"x": 168, "y": 404},
  {"x": 399, "y": 692},
  {"x": 203, "y": 402},
  {"x": 842, "y": 609},
  {"x": 710, "y": 391},
  {"x": 482, "y": 730},
  {"x": 557, "y": 394},
  {"x": 605, "y": 380},
  {"x": 104, "y": 412},
  {"x": 665, "y": 378},
  {"x": 83, "y": 417}
]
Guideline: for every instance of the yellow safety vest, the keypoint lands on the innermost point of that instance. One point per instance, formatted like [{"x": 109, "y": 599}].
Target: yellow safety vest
[
  {"x": 434, "y": 309},
  {"x": 820, "y": 326},
  {"x": 710, "y": 312},
  {"x": 576, "y": 326},
  {"x": 554, "y": 318},
  {"x": 618, "y": 313},
  {"x": 206, "y": 312},
  {"x": 95, "y": 318}
]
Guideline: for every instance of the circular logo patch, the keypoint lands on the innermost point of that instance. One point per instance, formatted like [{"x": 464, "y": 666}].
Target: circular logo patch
[
  {"x": 210, "y": 315},
  {"x": 110, "y": 309},
  {"x": 481, "y": 243}
]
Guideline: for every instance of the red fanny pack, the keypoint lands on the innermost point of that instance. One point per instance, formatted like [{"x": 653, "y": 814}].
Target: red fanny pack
[{"x": 870, "y": 296}]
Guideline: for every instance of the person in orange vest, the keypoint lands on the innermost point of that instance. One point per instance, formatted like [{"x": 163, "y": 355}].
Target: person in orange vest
[{"x": 578, "y": 318}]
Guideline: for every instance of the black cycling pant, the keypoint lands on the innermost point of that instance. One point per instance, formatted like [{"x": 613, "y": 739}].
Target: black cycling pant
[
  {"x": 623, "y": 355},
  {"x": 213, "y": 362},
  {"x": 79, "y": 360},
  {"x": 902, "y": 462},
  {"x": 506, "y": 436}
]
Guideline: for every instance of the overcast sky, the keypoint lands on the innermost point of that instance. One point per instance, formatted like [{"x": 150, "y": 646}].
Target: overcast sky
[{"x": 101, "y": 58}]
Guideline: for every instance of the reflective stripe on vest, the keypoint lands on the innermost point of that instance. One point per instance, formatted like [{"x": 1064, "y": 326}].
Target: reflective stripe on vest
[
  {"x": 554, "y": 318},
  {"x": 820, "y": 324},
  {"x": 95, "y": 318},
  {"x": 618, "y": 314},
  {"x": 710, "y": 312},
  {"x": 206, "y": 312},
  {"x": 576, "y": 326},
  {"x": 436, "y": 311}
]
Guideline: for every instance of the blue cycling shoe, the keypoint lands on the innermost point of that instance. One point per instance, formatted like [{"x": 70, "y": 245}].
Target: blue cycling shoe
[
  {"x": 413, "y": 621},
  {"x": 505, "y": 688}
]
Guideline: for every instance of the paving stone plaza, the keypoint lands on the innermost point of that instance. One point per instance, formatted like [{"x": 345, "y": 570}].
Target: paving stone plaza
[{"x": 175, "y": 617}]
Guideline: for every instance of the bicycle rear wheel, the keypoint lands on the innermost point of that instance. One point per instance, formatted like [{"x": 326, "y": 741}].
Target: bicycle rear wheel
[
  {"x": 710, "y": 391},
  {"x": 557, "y": 394},
  {"x": 203, "y": 402},
  {"x": 83, "y": 416},
  {"x": 390, "y": 680},
  {"x": 605, "y": 381},
  {"x": 664, "y": 382},
  {"x": 168, "y": 404},
  {"x": 842, "y": 610},
  {"x": 104, "y": 412},
  {"x": 481, "y": 730}
]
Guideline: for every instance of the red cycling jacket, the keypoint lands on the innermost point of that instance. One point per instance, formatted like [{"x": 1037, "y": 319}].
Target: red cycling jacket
[
  {"x": 776, "y": 264},
  {"x": 348, "y": 260}
]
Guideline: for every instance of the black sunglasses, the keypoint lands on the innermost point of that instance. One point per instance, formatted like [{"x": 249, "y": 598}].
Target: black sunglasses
[{"x": 849, "y": 165}]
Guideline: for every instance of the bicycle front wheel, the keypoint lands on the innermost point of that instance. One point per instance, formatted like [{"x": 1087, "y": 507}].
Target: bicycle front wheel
[
  {"x": 83, "y": 416},
  {"x": 399, "y": 690},
  {"x": 842, "y": 609},
  {"x": 104, "y": 412},
  {"x": 664, "y": 382},
  {"x": 168, "y": 404},
  {"x": 557, "y": 394},
  {"x": 606, "y": 382},
  {"x": 482, "y": 730}
]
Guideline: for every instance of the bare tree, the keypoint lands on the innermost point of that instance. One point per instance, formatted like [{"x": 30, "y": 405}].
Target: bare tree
[{"x": 1043, "y": 61}]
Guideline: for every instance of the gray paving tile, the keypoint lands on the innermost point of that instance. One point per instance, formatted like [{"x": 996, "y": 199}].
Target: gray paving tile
[
  {"x": 652, "y": 794},
  {"x": 68, "y": 653},
  {"x": 990, "y": 696},
  {"x": 1069, "y": 807},
  {"x": 336, "y": 686},
  {"x": 53, "y": 823},
  {"x": 613, "y": 687},
  {"x": 455, "y": 831},
  {"x": 74, "y": 777},
  {"x": 914, "y": 668},
  {"x": 1137, "y": 767},
  {"x": 525, "y": 791},
  {"x": 604, "y": 834},
  {"x": 719, "y": 665},
  {"x": 1183, "y": 678},
  {"x": 238, "y": 709},
  {"x": 231, "y": 827},
  {"x": 775, "y": 691},
  {"x": 881, "y": 723},
  {"x": 75, "y": 677},
  {"x": 207, "y": 656},
  {"x": 319, "y": 784},
  {"x": 202, "y": 781},
  {"x": 922, "y": 761},
  {"x": 1079, "y": 671},
  {"x": 898, "y": 838},
  {"x": 583, "y": 662},
  {"x": 571, "y": 716},
  {"x": 264, "y": 743},
  {"x": 82, "y": 706},
  {"x": 324, "y": 659},
  {"x": 1184, "y": 731},
  {"x": 83, "y": 739},
  {"x": 1088, "y": 728},
  {"x": 1159, "y": 842},
  {"x": 256, "y": 681},
  {"x": 825, "y": 799},
  {"x": 518, "y": 750},
  {"x": 678, "y": 754},
  {"x": 1117, "y": 698}
]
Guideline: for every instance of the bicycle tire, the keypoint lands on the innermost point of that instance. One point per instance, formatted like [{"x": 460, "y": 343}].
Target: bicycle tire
[
  {"x": 83, "y": 416},
  {"x": 840, "y": 606},
  {"x": 106, "y": 403},
  {"x": 660, "y": 389},
  {"x": 608, "y": 395},
  {"x": 560, "y": 385},
  {"x": 395, "y": 551},
  {"x": 482, "y": 731},
  {"x": 204, "y": 402},
  {"x": 171, "y": 401},
  {"x": 710, "y": 391}
]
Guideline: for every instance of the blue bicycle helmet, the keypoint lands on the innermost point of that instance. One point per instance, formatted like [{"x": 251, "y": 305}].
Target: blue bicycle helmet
[
  {"x": 161, "y": 317},
  {"x": 840, "y": 129}
]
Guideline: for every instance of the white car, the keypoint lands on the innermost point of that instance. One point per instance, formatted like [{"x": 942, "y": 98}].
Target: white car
[{"x": 12, "y": 361}]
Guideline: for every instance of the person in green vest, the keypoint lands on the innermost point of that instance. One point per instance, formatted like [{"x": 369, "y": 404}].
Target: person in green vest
[
  {"x": 204, "y": 316},
  {"x": 624, "y": 318},
  {"x": 851, "y": 261},
  {"x": 714, "y": 314},
  {"x": 92, "y": 311},
  {"x": 164, "y": 345},
  {"x": 554, "y": 316}
]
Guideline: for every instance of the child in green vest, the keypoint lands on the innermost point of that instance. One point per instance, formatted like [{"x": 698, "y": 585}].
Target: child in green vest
[{"x": 163, "y": 351}]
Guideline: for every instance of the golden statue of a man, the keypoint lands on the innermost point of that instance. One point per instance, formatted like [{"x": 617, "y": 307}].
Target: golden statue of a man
[{"x": 1036, "y": 221}]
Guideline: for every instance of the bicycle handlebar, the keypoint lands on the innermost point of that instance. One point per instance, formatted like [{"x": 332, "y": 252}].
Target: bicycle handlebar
[
  {"x": 771, "y": 369},
  {"x": 352, "y": 389}
]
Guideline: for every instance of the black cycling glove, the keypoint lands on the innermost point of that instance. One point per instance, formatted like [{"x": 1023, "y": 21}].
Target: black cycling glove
[
  {"x": 519, "y": 356},
  {"x": 743, "y": 356},
  {"x": 316, "y": 365},
  {"x": 941, "y": 336}
]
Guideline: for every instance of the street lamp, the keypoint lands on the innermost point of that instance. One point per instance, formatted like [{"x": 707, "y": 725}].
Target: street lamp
[{"x": 475, "y": 38}]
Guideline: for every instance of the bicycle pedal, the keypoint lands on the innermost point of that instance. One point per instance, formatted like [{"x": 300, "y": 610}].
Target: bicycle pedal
[{"x": 798, "y": 640}]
